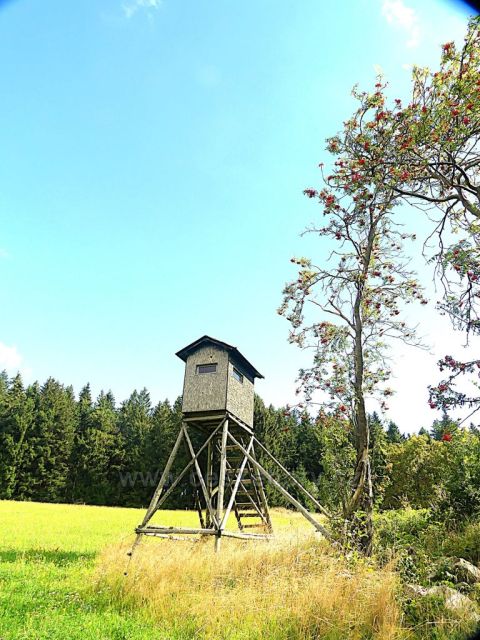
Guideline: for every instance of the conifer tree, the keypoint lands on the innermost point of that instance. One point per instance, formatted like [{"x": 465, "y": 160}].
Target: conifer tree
[
  {"x": 393, "y": 433},
  {"x": 26, "y": 478},
  {"x": 135, "y": 422},
  {"x": 16, "y": 419},
  {"x": 79, "y": 476},
  {"x": 158, "y": 444},
  {"x": 107, "y": 453},
  {"x": 3, "y": 383},
  {"x": 53, "y": 435},
  {"x": 444, "y": 428}
]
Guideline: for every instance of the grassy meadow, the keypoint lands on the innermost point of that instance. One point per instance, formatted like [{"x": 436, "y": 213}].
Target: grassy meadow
[
  {"x": 62, "y": 576},
  {"x": 47, "y": 560}
]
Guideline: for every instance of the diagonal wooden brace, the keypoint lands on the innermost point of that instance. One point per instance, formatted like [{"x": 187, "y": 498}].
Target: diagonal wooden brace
[
  {"x": 163, "y": 479},
  {"x": 213, "y": 515},
  {"x": 293, "y": 479},
  {"x": 187, "y": 467},
  {"x": 283, "y": 491}
]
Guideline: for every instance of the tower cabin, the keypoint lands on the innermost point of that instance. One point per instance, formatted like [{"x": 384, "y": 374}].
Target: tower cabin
[{"x": 218, "y": 381}]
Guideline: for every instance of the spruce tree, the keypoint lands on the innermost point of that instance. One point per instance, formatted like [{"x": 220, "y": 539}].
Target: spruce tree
[
  {"x": 394, "y": 435},
  {"x": 443, "y": 428},
  {"x": 105, "y": 453},
  {"x": 78, "y": 477},
  {"x": 53, "y": 435},
  {"x": 135, "y": 420},
  {"x": 16, "y": 418}
]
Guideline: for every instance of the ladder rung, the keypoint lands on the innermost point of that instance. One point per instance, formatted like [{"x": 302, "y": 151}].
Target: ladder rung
[
  {"x": 253, "y": 526},
  {"x": 249, "y": 514}
]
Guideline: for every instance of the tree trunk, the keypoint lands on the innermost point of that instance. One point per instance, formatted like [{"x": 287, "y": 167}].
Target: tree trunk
[{"x": 359, "y": 509}]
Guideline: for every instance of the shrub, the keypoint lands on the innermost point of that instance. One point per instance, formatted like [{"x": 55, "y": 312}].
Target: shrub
[
  {"x": 418, "y": 470},
  {"x": 430, "y": 620},
  {"x": 464, "y": 543},
  {"x": 400, "y": 536},
  {"x": 440, "y": 475}
]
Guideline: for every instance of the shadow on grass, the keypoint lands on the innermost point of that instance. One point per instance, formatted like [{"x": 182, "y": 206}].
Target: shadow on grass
[{"x": 51, "y": 556}]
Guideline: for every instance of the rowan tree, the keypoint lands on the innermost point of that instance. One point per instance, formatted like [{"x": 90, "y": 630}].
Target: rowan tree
[
  {"x": 428, "y": 153},
  {"x": 362, "y": 288},
  {"x": 444, "y": 159}
]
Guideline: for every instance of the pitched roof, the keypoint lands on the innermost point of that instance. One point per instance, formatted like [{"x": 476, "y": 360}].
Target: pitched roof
[{"x": 186, "y": 351}]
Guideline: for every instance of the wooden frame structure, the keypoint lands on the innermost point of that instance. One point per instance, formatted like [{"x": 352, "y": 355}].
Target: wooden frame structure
[{"x": 228, "y": 455}]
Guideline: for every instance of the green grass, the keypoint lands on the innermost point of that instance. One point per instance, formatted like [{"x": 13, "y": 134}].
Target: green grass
[
  {"x": 47, "y": 559},
  {"x": 61, "y": 578},
  {"x": 47, "y": 564}
]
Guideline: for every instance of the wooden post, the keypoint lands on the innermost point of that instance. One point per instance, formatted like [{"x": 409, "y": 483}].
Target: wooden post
[
  {"x": 221, "y": 483},
  {"x": 283, "y": 491},
  {"x": 209, "y": 480}
]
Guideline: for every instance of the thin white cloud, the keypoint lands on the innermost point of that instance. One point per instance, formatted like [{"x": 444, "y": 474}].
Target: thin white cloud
[
  {"x": 131, "y": 8},
  {"x": 404, "y": 18},
  {"x": 12, "y": 362},
  {"x": 9, "y": 357},
  {"x": 4, "y": 253}
]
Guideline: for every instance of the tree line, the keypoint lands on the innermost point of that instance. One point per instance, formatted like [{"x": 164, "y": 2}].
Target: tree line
[{"x": 56, "y": 447}]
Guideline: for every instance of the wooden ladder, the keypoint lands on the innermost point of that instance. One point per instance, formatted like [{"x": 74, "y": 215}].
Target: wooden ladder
[{"x": 250, "y": 505}]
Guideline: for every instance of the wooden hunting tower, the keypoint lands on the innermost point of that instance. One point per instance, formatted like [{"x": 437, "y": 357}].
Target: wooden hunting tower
[
  {"x": 217, "y": 379},
  {"x": 217, "y": 405}
]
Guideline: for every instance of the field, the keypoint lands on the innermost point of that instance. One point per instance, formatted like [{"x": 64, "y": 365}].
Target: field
[
  {"x": 62, "y": 577},
  {"x": 47, "y": 561}
]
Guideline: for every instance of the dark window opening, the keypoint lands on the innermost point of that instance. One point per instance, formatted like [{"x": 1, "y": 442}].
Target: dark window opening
[
  {"x": 237, "y": 375},
  {"x": 207, "y": 368}
]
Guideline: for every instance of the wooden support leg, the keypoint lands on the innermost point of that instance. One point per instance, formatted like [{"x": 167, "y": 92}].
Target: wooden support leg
[
  {"x": 136, "y": 542},
  {"x": 221, "y": 484},
  {"x": 283, "y": 491},
  {"x": 187, "y": 467},
  {"x": 199, "y": 474},
  {"x": 293, "y": 479},
  {"x": 163, "y": 479},
  {"x": 210, "y": 450},
  {"x": 156, "y": 495}
]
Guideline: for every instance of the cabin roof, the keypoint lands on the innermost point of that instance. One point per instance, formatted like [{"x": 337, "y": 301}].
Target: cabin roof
[{"x": 189, "y": 349}]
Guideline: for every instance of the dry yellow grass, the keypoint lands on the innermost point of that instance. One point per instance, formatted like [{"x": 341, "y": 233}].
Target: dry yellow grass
[{"x": 293, "y": 587}]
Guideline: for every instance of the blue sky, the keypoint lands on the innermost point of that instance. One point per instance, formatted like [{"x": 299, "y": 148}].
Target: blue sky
[{"x": 154, "y": 154}]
